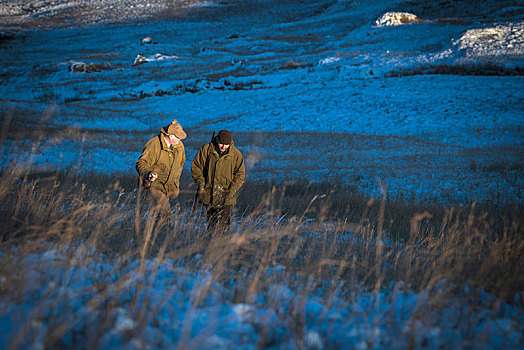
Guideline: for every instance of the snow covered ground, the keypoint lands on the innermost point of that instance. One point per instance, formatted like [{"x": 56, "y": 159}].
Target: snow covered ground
[
  {"x": 429, "y": 102},
  {"x": 320, "y": 67},
  {"x": 433, "y": 101},
  {"x": 360, "y": 320},
  {"x": 46, "y": 13}
]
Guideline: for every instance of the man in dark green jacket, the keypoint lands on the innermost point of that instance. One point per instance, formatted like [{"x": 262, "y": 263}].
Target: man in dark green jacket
[
  {"x": 160, "y": 165},
  {"x": 218, "y": 170}
]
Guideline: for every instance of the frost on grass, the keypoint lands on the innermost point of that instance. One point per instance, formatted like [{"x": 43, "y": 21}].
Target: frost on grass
[{"x": 280, "y": 315}]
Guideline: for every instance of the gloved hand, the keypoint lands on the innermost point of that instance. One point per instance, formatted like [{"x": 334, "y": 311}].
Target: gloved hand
[
  {"x": 152, "y": 176},
  {"x": 205, "y": 197}
]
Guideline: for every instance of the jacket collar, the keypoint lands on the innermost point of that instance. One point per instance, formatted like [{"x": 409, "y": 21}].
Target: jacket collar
[
  {"x": 215, "y": 149},
  {"x": 165, "y": 146}
]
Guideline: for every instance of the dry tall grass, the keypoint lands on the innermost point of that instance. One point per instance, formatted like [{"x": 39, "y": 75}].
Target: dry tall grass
[{"x": 82, "y": 259}]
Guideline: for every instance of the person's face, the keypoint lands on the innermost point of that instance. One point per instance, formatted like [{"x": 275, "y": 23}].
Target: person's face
[
  {"x": 223, "y": 147},
  {"x": 173, "y": 140}
]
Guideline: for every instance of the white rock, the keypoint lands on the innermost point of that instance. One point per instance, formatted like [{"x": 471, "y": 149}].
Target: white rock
[
  {"x": 396, "y": 19},
  {"x": 139, "y": 60},
  {"x": 147, "y": 40},
  {"x": 77, "y": 67}
]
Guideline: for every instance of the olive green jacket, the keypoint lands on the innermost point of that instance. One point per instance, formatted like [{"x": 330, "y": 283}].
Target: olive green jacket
[
  {"x": 165, "y": 162},
  {"x": 220, "y": 176}
]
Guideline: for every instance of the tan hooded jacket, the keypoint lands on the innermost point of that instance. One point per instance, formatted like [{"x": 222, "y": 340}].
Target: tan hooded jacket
[
  {"x": 220, "y": 176},
  {"x": 165, "y": 162}
]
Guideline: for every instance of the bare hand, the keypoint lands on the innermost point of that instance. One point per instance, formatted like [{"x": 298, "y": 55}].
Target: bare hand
[{"x": 152, "y": 176}]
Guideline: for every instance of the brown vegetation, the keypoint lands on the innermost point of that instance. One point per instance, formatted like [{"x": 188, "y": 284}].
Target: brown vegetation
[{"x": 460, "y": 256}]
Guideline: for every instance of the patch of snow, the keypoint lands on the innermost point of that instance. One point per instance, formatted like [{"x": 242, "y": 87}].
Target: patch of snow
[
  {"x": 205, "y": 4},
  {"x": 314, "y": 341},
  {"x": 500, "y": 40},
  {"x": 329, "y": 60},
  {"x": 123, "y": 322},
  {"x": 243, "y": 310},
  {"x": 156, "y": 57},
  {"x": 39, "y": 13}
]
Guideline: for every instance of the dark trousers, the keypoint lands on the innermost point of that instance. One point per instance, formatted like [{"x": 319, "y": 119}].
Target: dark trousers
[
  {"x": 219, "y": 219},
  {"x": 161, "y": 205},
  {"x": 161, "y": 201}
]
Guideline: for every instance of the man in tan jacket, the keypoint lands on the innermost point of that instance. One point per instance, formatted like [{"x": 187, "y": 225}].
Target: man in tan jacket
[
  {"x": 219, "y": 172},
  {"x": 161, "y": 163}
]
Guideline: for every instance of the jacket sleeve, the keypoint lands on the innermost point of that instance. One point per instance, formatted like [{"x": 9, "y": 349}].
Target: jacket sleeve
[
  {"x": 239, "y": 174},
  {"x": 182, "y": 162},
  {"x": 183, "y": 158},
  {"x": 144, "y": 164},
  {"x": 197, "y": 167}
]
